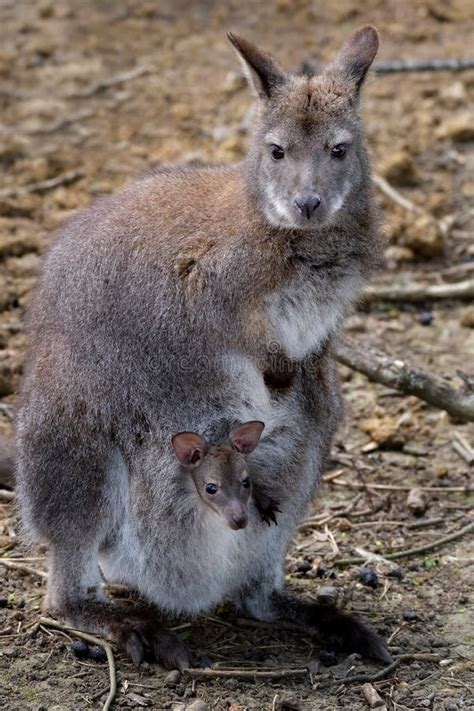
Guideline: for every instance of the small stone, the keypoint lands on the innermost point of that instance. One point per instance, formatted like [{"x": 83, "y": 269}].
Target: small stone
[
  {"x": 458, "y": 128},
  {"x": 395, "y": 572},
  {"x": 467, "y": 317},
  {"x": 416, "y": 502},
  {"x": 303, "y": 566},
  {"x": 424, "y": 237},
  {"x": 3, "y": 601},
  {"x": 289, "y": 703},
  {"x": 410, "y": 615},
  {"x": 396, "y": 253},
  {"x": 384, "y": 431},
  {"x": 172, "y": 678},
  {"x": 425, "y": 318},
  {"x": 368, "y": 577},
  {"x": 453, "y": 94},
  {"x": 400, "y": 169},
  {"x": 97, "y": 653},
  {"x": 198, "y": 705},
  {"x": 80, "y": 649},
  {"x": 327, "y": 596},
  {"x": 327, "y": 659}
]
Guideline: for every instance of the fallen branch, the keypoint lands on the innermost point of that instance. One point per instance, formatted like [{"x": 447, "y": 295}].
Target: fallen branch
[
  {"x": 394, "y": 195},
  {"x": 62, "y": 122},
  {"x": 12, "y": 565},
  {"x": 423, "y": 65},
  {"x": 48, "y": 622},
  {"x": 414, "y": 293},
  {"x": 373, "y": 697},
  {"x": 403, "y": 66},
  {"x": 102, "y": 84},
  {"x": 42, "y": 186},
  {"x": 463, "y": 448},
  {"x": 369, "y": 678},
  {"x": 411, "y": 551},
  {"x": 395, "y": 374},
  {"x": 397, "y": 487},
  {"x": 244, "y": 674}
]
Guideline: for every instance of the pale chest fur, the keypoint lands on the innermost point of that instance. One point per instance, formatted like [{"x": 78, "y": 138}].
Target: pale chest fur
[{"x": 304, "y": 313}]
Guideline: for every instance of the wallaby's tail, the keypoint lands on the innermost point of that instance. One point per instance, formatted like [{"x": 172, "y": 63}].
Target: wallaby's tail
[{"x": 7, "y": 462}]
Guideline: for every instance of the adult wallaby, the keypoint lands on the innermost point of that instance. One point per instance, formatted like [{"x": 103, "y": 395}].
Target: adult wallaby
[{"x": 199, "y": 298}]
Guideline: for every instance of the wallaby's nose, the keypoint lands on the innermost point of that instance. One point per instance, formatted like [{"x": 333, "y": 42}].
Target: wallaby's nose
[
  {"x": 238, "y": 519},
  {"x": 307, "y": 204}
]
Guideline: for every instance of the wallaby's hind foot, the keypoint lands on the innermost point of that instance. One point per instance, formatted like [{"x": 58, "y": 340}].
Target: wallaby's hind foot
[
  {"x": 147, "y": 639},
  {"x": 337, "y": 630},
  {"x": 135, "y": 628}
]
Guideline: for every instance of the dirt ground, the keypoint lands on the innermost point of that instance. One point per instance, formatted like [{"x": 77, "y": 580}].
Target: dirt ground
[{"x": 64, "y": 139}]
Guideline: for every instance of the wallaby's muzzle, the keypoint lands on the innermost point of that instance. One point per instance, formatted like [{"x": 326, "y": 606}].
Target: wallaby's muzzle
[
  {"x": 236, "y": 517},
  {"x": 307, "y": 203}
]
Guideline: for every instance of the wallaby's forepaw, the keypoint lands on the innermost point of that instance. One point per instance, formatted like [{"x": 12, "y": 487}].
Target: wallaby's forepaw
[
  {"x": 149, "y": 641},
  {"x": 267, "y": 508}
]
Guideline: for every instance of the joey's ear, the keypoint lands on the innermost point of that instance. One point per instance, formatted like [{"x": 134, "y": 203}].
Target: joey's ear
[
  {"x": 263, "y": 74},
  {"x": 245, "y": 438},
  {"x": 189, "y": 448},
  {"x": 356, "y": 56}
]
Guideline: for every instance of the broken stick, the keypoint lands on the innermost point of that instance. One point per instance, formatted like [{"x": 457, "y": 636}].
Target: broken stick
[
  {"x": 396, "y": 374},
  {"x": 413, "y": 293}
]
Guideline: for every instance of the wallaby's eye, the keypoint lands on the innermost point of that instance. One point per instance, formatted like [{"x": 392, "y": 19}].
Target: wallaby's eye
[
  {"x": 246, "y": 483},
  {"x": 277, "y": 152},
  {"x": 211, "y": 488},
  {"x": 339, "y": 151}
]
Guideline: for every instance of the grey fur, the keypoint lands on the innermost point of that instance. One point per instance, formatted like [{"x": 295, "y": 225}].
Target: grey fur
[{"x": 147, "y": 321}]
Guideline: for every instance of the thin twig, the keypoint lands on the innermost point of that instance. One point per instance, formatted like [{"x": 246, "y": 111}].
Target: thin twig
[
  {"x": 463, "y": 448},
  {"x": 394, "y": 195},
  {"x": 7, "y": 410},
  {"x": 102, "y": 84},
  {"x": 244, "y": 674},
  {"x": 48, "y": 622},
  {"x": 396, "y": 487},
  {"x": 404, "y": 66},
  {"x": 412, "y": 551},
  {"x": 394, "y": 373},
  {"x": 368, "y": 678},
  {"x": 11, "y": 565},
  {"x": 62, "y": 122},
  {"x": 423, "y": 65},
  {"x": 43, "y": 186},
  {"x": 414, "y": 293}
]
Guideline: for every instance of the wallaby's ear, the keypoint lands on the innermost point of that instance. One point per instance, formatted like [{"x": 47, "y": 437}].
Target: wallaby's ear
[
  {"x": 262, "y": 72},
  {"x": 245, "y": 438},
  {"x": 356, "y": 56},
  {"x": 189, "y": 448}
]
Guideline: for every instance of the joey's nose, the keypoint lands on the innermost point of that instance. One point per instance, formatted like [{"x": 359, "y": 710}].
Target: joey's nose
[
  {"x": 238, "y": 520},
  {"x": 307, "y": 204}
]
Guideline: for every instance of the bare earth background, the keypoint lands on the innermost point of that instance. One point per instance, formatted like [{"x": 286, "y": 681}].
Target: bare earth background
[{"x": 65, "y": 139}]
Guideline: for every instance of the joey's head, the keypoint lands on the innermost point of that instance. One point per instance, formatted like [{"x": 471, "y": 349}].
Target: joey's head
[
  {"x": 220, "y": 472},
  {"x": 307, "y": 161}
]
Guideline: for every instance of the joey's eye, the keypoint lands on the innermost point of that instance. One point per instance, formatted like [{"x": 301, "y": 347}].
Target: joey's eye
[
  {"x": 211, "y": 488},
  {"x": 339, "y": 151},
  {"x": 277, "y": 152},
  {"x": 246, "y": 483}
]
